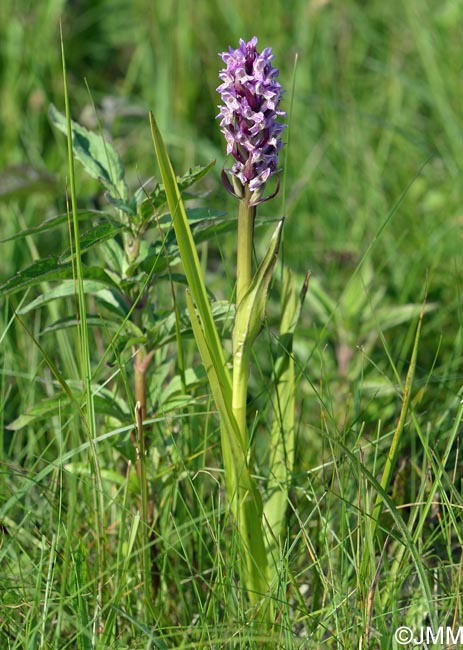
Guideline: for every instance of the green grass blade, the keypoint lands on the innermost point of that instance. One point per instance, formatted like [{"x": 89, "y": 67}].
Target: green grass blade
[
  {"x": 392, "y": 456},
  {"x": 395, "y": 445},
  {"x": 80, "y": 581},
  {"x": 408, "y": 540},
  {"x": 85, "y": 356},
  {"x": 127, "y": 542}
]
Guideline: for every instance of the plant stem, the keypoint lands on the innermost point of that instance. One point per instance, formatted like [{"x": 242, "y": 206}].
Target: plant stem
[
  {"x": 145, "y": 517},
  {"x": 246, "y": 217},
  {"x": 149, "y": 550},
  {"x": 140, "y": 367}
]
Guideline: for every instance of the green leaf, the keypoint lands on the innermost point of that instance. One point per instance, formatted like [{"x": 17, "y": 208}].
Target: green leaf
[
  {"x": 93, "y": 320},
  {"x": 165, "y": 331},
  {"x": 320, "y": 302},
  {"x": 282, "y": 441},
  {"x": 121, "y": 204},
  {"x": 51, "y": 223},
  {"x": 193, "y": 175},
  {"x": 97, "y": 235},
  {"x": 99, "y": 158},
  {"x": 155, "y": 259},
  {"x": 40, "y": 411},
  {"x": 193, "y": 378},
  {"x": 191, "y": 263},
  {"x": 242, "y": 490},
  {"x": 114, "y": 256},
  {"x": 51, "y": 269},
  {"x": 189, "y": 256},
  {"x": 393, "y": 315},
  {"x": 64, "y": 289},
  {"x": 250, "y": 313},
  {"x": 204, "y": 216},
  {"x": 210, "y": 227},
  {"x": 167, "y": 254},
  {"x": 58, "y": 405},
  {"x": 158, "y": 197}
]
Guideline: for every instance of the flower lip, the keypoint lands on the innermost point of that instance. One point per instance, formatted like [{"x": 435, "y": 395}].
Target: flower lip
[{"x": 249, "y": 112}]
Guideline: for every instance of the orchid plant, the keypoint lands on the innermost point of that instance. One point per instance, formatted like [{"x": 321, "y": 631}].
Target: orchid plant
[{"x": 249, "y": 119}]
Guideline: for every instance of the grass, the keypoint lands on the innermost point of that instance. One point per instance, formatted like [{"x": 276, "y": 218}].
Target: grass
[{"x": 373, "y": 210}]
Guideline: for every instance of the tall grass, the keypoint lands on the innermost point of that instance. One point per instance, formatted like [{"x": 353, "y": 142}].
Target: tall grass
[{"x": 373, "y": 209}]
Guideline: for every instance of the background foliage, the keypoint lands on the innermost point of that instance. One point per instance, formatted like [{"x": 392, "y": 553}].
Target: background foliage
[{"x": 373, "y": 208}]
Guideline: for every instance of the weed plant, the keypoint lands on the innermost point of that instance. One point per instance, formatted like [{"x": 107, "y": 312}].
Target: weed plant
[{"x": 117, "y": 526}]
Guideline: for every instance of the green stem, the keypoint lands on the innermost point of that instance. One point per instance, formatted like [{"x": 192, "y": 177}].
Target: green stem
[{"x": 246, "y": 217}]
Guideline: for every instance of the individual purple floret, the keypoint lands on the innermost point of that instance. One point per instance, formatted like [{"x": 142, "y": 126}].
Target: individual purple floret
[{"x": 248, "y": 117}]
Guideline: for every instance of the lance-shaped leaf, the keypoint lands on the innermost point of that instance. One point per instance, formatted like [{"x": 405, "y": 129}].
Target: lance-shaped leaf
[
  {"x": 250, "y": 313},
  {"x": 68, "y": 288},
  {"x": 242, "y": 490},
  {"x": 282, "y": 440},
  {"x": 97, "y": 235},
  {"x": 158, "y": 198},
  {"x": 52, "y": 222},
  {"x": 99, "y": 158},
  {"x": 189, "y": 255},
  {"x": 51, "y": 269},
  {"x": 59, "y": 406}
]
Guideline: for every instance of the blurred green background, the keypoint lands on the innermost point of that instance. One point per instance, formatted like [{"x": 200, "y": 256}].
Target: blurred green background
[{"x": 377, "y": 91}]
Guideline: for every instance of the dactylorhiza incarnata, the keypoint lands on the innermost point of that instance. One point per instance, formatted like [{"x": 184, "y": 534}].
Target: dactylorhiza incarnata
[{"x": 248, "y": 117}]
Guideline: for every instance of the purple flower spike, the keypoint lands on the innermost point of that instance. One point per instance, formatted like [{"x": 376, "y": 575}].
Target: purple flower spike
[{"x": 248, "y": 117}]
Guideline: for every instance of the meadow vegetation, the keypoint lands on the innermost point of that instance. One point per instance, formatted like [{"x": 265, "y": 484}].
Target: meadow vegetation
[{"x": 372, "y": 199}]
